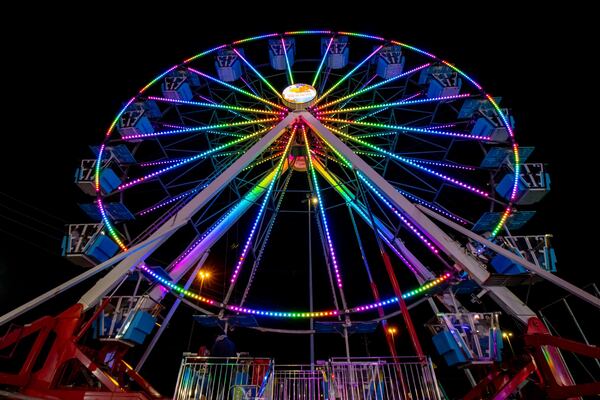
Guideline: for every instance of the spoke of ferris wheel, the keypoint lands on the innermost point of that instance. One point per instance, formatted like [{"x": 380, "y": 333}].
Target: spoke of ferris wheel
[
  {"x": 321, "y": 207},
  {"x": 287, "y": 62},
  {"x": 394, "y": 104},
  {"x": 413, "y": 164},
  {"x": 264, "y": 160},
  {"x": 266, "y": 236},
  {"x": 235, "y": 88},
  {"x": 402, "y": 218},
  {"x": 215, "y": 105},
  {"x": 198, "y": 129},
  {"x": 322, "y": 62},
  {"x": 168, "y": 161},
  {"x": 171, "y": 200},
  {"x": 259, "y": 216},
  {"x": 405, "y": 128},
  {"x": 343, "y": 78},
  {"x": 374, "y": 86},
  {"x": 433, "y": 207},
  {"x": 188, "y": 160},
  {"x": 423, "y": 161},
  {"x": 378, "y": 111},
  {"x": 262, "y": 78}
]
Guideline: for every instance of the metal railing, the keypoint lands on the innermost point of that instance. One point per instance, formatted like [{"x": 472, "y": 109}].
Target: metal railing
[
  {"x": 224, "y": 378},
  {"x": 406, "y": 378},
  {"x": 300, "y": 382},
  {"x": 382, "y": 379}
]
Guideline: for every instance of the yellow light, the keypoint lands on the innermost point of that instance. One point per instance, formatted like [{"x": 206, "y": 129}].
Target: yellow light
[
  {"x": 392, "y": 330},
  {"x": 204, "y": 275},
  {"x": 314, "y": 200}
]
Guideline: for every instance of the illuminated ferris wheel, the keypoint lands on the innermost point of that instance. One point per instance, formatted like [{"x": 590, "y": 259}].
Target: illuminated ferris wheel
[{"x": 409, "y": 150}]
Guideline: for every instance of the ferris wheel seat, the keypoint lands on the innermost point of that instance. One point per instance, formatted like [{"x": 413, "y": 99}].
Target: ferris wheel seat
[
  {"x": 533, "y": 184},
  {"x": 505, "y": 266},
  {"x": 229, "y": 65},
  {"x": 472, "y": 106},
  {"x": 277, "y": 53},
  {"x": 339, "y": 51},
  {"x": 497, "y": 156},
  {"x": 443, "y": 85},
  {"x": 390, "y": 62},
  {"x": 116, "y": 211},
  {"x": 489, "y": 125},
  {"x": 489, "y": 220},
  {"x": 449, "y": 348},
  {"x": 134, "y": 122}
]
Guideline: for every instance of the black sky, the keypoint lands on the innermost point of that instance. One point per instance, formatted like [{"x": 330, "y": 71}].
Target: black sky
[{"x": 66, "y": 72}]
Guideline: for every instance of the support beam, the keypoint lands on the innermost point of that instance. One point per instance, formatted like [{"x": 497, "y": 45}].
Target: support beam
[
  {"x": 453, "y": 249},
  {"x": 182, "y": 217},
  {"x": 550, "y": 277},
  {"x": 9, "y": 316},
  {"x": 421, "y": 272},
  {"x": 165, "y": 322},
  {"x": 179, "y": 269}
]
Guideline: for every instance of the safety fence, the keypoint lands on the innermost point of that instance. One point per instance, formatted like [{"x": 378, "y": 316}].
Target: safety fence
[{"x": 407, "y": 378}]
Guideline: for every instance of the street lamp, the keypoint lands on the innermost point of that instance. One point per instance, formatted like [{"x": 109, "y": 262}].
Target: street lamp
[
  {"x": 203, "y": 275},
  {"x": 507, "y": 335},
  {"x": 392, "y": 331}
]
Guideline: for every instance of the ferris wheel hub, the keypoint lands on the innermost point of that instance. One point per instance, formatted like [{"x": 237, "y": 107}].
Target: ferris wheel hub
[{"x": 299, "y": 96}]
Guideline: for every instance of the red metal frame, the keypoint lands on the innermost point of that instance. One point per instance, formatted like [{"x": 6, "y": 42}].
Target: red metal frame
[{"x": 44, "y": 381}]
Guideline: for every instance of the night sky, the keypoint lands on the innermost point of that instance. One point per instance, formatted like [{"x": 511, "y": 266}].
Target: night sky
[{"x": 65, "y": 77}]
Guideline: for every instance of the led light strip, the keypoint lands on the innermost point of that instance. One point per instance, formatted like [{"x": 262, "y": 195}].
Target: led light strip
[
  {"x": 287, "y": 61},
  {"x": 191, "y": 159},
  {"x": 264, "y": 160},
  {"x": 237, "y": 89},
  {"x": 399, "y": 214},
  {"x": 393, "y": 104},
  {"x": 262, "y": 78},
  {"x": 343, "y": 78},
  {"x": 322, "y": 62},
  {"x": 321, "y": 207},
  {"x": 404, "y": 128},
  {"x": 261, "y": 211},
  {"x": 374, "y": 86},
  {"x": 215, "y": 105},
  {"x": 198, "y": 128},
  {"x": 293, "y": 314},
  {"x": 411, "y": 163},
  {"x": 171, "y": 200},
  {"x": 113, "y": 233}
]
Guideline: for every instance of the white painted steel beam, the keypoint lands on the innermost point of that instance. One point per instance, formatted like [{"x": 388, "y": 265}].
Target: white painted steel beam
[
  {"x": 511, "y": 303},
  {"x": 181, "y": 218}
]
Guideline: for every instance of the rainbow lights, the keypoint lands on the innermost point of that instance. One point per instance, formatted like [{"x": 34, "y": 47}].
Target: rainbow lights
[
  {"x": 199, "y": 129},
  {"x": 215, "y": 105},
  {"x": 262, "y": 78},
  {"x": 322, "y": 62},
  {"x": 394, "y": 104},
  {"x": 112, "y": 231},
  {"x": 171, "y": 200},
  {"x": 404, "y": 128},
  {"x": 411, "y": 163},
  {"x": 237, "y": 89},
  {"x": 287, "y": 62},
  {"x": 432, "y": 206},
  {"x": 261, "y": 211},
  {"x": 399, "y": 214},
  {"x": 188, "y": 160},
  {"x": 443, "y": 164},
  {"x": 313, "y": 175},
  {"x": 343, "y": 78},
  {"x": 294, "y": 314},
  {"x": 374, "y": 86}
]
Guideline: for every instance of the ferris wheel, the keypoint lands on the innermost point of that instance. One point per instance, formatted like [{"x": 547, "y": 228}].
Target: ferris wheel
[{"x": 422, "y": 161}]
